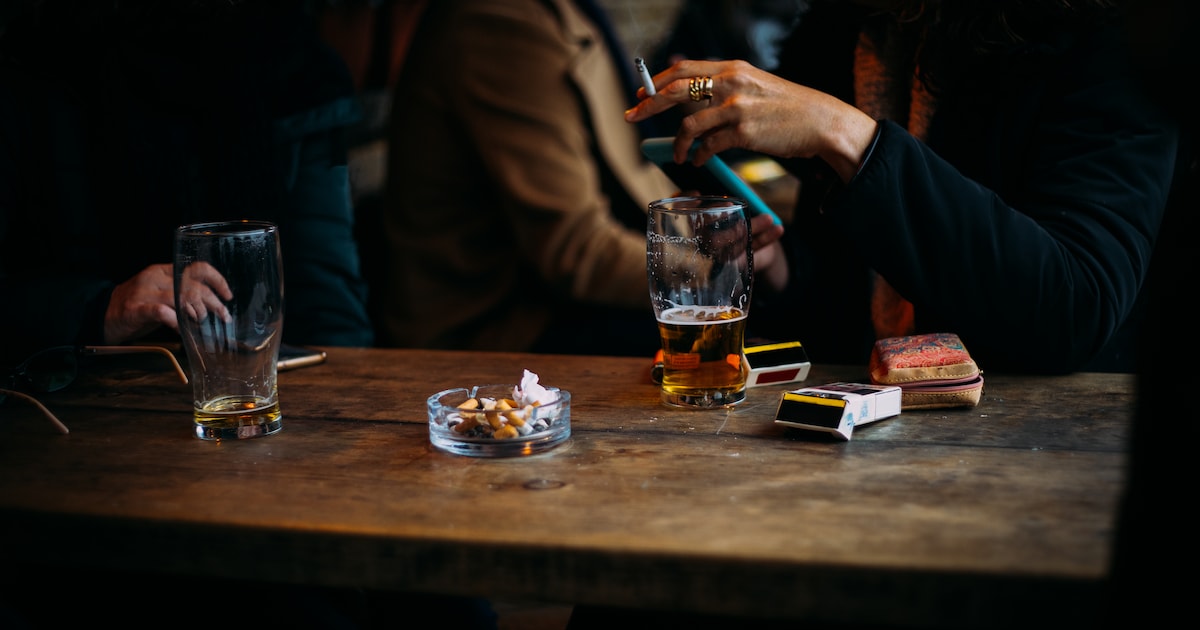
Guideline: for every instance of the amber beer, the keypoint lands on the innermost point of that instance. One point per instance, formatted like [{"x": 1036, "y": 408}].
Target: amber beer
[
  {"x": 244, "y": 412},
  {"x": 702, "y": 356},
  {"x": 232, "y": 414}
]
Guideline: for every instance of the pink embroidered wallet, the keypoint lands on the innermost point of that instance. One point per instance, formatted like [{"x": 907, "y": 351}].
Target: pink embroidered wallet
[{"x": 932, "y": 370}]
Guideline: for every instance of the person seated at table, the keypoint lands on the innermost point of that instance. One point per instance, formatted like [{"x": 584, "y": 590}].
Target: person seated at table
[
  {"x": 119, "y": 122},
  {"x": 516, "y": 196},
  {"x": 991, "y": 169}
]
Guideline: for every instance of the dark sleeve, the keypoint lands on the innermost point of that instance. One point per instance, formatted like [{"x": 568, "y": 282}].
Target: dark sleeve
[
  {"x": 1041, "y": 278},
  {"x": 324, "y": 290}
]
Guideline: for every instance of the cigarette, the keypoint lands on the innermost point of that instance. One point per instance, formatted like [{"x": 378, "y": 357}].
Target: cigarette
[{"x": 647, "y": 80}]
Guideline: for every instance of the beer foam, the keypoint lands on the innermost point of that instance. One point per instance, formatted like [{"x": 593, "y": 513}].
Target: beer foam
[{"x": 684, "y": 315}]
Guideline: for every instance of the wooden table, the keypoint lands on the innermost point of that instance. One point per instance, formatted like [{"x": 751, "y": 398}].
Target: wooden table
[{"x": 995, "y": 516}]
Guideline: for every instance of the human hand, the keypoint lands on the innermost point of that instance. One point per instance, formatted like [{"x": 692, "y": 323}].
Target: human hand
[
  {"x": 757, "y": 111},
  {"x": 141, "y": 305},
  {"x": 770, "y": 262},
  {"x": 203, "y": 290}
]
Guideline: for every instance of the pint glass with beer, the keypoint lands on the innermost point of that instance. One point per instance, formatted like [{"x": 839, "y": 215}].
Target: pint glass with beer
[{"x": 700, "y": 267}]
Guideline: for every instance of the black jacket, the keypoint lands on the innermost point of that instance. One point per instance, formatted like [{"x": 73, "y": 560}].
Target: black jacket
[{"x": 1025, "y": 223}]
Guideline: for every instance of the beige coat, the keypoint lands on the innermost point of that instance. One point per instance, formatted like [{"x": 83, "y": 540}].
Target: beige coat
[{"x": 507, "y": 124}]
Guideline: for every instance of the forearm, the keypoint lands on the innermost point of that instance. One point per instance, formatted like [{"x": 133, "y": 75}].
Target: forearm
[{"x": 846, "y": 140}]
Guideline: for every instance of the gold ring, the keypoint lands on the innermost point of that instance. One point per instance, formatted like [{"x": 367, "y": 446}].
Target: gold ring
[{"x": 694, "y": 88}]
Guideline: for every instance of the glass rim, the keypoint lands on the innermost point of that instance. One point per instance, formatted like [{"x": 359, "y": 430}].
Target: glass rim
[
  {"x": 703, "y": 203},
  {"x": 231, "y": 226}
]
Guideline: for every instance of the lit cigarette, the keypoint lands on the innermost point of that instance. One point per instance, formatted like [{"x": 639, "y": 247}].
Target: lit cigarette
[{"x": 647, "y": 80}]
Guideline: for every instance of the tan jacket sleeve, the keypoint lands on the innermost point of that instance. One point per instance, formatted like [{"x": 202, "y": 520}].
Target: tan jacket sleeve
[{"x": 540, "y": 94}]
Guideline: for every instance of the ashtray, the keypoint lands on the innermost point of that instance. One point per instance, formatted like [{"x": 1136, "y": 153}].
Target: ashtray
[{"x": 500, "y": 420}]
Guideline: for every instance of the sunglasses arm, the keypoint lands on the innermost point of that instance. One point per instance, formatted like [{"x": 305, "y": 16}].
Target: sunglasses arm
[
  {"x": 62, "y": 428},
  {"x": 135, "y": 349}
]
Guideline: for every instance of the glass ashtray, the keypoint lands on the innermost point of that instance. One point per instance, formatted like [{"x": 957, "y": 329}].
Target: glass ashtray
[{"x": 492, "y": 421}]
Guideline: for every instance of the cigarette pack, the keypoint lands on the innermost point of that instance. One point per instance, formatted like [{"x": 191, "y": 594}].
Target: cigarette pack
[
  {"x": 837, "y": 408},
  {"x": 775, "y": 363}
]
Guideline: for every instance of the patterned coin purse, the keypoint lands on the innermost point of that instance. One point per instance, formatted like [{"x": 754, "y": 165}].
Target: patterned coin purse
[{"x": 932, "y": 370}]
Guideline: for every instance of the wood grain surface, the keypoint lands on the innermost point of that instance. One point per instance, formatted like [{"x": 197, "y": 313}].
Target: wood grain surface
[{"x": 976, "y": 517}]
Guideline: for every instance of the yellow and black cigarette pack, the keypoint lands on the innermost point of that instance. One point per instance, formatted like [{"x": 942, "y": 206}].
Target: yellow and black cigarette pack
[
  {"x": 837, "y": 408},
  {"x": 775, "y": 363}
]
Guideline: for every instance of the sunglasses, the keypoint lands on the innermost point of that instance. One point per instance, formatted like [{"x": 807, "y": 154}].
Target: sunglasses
[{"x": 55, "y": 368}]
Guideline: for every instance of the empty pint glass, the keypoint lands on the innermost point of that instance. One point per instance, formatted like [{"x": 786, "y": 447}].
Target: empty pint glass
[
  {"x": 700, "y": 267},
  {"x": 229, "y": 303}
]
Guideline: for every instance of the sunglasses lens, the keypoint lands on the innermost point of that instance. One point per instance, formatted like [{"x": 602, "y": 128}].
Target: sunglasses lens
[{"x": 49, "y": 370}]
